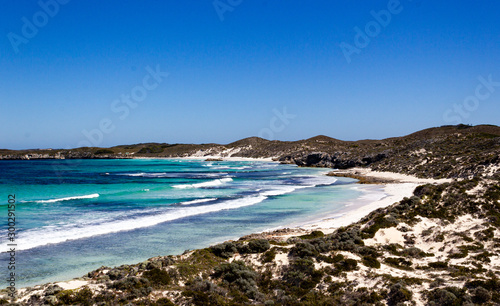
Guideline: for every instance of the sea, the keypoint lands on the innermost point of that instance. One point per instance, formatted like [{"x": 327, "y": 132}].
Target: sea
[{"x": 74, "y": 216}]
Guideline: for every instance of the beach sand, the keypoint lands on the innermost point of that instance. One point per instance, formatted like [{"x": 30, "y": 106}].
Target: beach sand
[
  {"x": 214, "y": 157},
  {"x": 401, "y": 186}
]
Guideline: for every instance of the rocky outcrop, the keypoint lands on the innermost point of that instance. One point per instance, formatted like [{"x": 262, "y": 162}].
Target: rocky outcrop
[{"x": 338, "y": 160}]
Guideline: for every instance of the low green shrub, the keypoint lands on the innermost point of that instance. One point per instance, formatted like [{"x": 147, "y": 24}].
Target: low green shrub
[
  {"x": 448, "y": 296},
  {"x": 313, "y": 235},
  {"x": 157, "y": 277},
  {"x": 71, "y": 297},
  {"x": 371, "y": 262},
  {"x": 381, "y": 221},
  {"x": 258, "y": 245},
  {"x": 438, "y": 265},
  {"x": 398, "y": 262},
  {"x": 346, "y": 265},
  {"x": 163, "y": 302},
  {"x": 304, "y": 249},
  {"x": 268, "y": 256},
  {"x": 103, "y": 151},
  {"x": 151, "y": 149},
  {"x": 398, "y": 294},
  {"x": 238, "y": 274},
  {"x": 224, "y": 250}
]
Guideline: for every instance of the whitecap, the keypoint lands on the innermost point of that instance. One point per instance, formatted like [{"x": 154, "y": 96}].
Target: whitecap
[
  {"x": 212, "y": 183},
  {"x": 89, "y": 196}
]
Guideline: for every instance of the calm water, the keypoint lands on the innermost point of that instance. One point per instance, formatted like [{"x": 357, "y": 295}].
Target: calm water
[{"x": 74, "y": 216}]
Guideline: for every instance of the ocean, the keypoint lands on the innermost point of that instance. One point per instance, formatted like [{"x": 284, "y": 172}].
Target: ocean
[{"x": 73, "y": 216}]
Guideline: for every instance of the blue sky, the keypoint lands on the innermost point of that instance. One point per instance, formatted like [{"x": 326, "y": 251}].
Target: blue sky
[{"x": 240, "y": 68}]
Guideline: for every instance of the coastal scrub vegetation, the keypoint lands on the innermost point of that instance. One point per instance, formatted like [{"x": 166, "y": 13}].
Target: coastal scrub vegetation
[{"x": 441, "y": 246}]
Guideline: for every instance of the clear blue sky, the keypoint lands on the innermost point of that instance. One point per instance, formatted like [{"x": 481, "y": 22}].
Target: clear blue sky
[{"x": 231, "y": 66}]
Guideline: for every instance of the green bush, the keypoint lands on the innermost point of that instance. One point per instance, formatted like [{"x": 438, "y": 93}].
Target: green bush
[
  {"x": 448, "y": 296},
  {"x": 381, "y": 221},
  {"x": 163, "y": 302},
  {"x": 313, "y": 235},
  {"x": 480, "y": 295},
  {"x": 104, "y": 151},
  {"x": 157, "y": 277},
  {"x": 258, "y": 246},
  {"x": 80, "y": 297},
  {"x": 371, "y": 262},
  {"x": 204, "y": 292},
  {"x": 398, "y": 262},
  {"x": 462, "y": 253},
  {"x": 346, "y": 265},
  {"x": 302, "y": 276},
  {"x": 398, "y": 294},
  {"x": 438, "y": 265},
  {"x": 239, "y": 275},
  {"x": 304, "y": 249},
  {"x": 485, "y": 235},
  {"x": 135, "y": 286},
  {"x": 414, "y": 252},
  {"x": 151, "y": 149},
  {"x": 224, "y": 250},
  {"x": 104, "y": 298},
  {"x": 268, "y": 256}
]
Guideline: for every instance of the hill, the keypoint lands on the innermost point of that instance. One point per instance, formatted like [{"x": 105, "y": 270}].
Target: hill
[{"x": 442, "y": 152}]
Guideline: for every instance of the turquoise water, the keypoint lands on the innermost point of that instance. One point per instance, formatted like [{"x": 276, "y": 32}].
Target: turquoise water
[{"x": 73, "y": 216}]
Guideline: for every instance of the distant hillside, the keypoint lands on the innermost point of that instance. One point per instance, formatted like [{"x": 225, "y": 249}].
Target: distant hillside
[{"x": 447, "y": 151}]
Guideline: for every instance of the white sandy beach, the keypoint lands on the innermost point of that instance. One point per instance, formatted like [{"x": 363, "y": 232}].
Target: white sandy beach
[
  {"x": 226, "y": 158},
  {"x": 229, "y": 158},
  {"x": 392, "y": 193}
]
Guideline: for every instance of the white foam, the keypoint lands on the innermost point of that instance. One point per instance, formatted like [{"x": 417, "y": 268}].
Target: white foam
[
  {"x": 89, "y": 226},
  {"x": 221, "y": 167},
  {"x": 213, "y": 183},
  {"x": 135, "y": 174},
  {"x": 198, "y": 201},
  {"x": 280, "y": 190},
  {"x": 241, "y": 168},
  {"x": 319, "y": 181},
  {"x": 89, "y": 196},
  {"x": 49, "y": 235},
  {"x": 172, "y": 175}
]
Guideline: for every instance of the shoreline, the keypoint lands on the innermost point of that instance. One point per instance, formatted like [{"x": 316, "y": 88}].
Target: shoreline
[
  {"x": 355, "y": 210},
  {"x": 215, "y": 158},
  {"x": 393, "y": 187},
  {"x": 396, "y": 187},
  {"x": 401, "y": 186}
]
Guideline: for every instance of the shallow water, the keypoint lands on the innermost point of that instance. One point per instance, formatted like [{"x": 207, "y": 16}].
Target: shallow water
[{"x": 73, "y": 216}]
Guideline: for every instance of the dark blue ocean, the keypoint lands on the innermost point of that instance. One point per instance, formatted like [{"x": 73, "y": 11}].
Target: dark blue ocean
[{"x": 73, "y": 216}]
